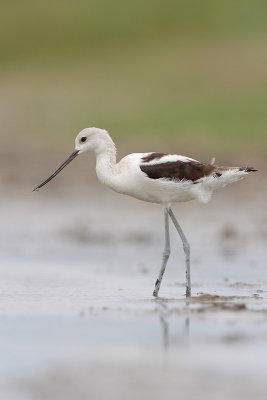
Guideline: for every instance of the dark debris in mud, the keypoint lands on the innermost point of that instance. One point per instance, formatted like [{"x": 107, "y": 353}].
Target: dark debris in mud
[{"x": 213, "y": 306}]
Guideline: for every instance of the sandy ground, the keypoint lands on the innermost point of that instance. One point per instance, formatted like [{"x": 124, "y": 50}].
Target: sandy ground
[{"x": 77, "y": 316}]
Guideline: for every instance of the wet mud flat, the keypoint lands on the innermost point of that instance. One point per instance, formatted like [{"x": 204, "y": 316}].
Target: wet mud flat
[{"x": 78, "y": 319}]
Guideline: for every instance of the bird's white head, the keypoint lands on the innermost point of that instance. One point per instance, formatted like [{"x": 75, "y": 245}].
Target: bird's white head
[
  {"x": 92, "y": 139},
  {"x": 89, "y": 139}
]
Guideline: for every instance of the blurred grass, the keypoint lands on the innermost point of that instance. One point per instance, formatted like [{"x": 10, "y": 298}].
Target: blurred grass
[{"x": 183, "y": 74}]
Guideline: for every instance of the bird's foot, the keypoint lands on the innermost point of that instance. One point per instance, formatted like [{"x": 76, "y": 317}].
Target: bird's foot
[
  {"x": 188, "y": 291},
  {"x": 156, "y": 290}
]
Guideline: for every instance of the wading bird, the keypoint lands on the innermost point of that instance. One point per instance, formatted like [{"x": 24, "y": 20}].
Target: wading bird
[{"x": 156, "y": 178}]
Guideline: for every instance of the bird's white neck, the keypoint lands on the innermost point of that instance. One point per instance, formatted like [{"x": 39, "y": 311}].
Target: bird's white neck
[{"x": 105, "y": 163}]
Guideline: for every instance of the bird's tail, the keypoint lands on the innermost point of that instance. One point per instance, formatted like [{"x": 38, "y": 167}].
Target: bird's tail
[
  {"x": 220, "y": 177},
  {"x": 248, "y": 169},
  {"x": 222, "y": 169}
]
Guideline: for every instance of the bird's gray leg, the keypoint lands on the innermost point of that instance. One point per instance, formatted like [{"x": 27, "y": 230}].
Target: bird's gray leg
[
  {"x": 186, "y": 247},
  {"x": 166, "y": 253}
]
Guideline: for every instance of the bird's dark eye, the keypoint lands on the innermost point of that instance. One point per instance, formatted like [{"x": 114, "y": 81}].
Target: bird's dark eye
[{"x": 83, "y": 139}]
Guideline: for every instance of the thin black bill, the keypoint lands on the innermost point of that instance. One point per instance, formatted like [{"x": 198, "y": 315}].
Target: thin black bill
[{"x": 69, "y": 159}]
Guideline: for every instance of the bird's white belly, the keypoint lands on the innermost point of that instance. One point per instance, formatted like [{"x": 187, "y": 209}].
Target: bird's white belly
[{"x": 158, "y": 190}]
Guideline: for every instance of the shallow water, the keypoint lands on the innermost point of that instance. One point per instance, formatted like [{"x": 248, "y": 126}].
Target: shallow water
[{"x": 77, "y": 314}]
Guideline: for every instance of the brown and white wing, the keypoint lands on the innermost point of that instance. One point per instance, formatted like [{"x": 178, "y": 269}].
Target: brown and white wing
[{"x": 174, "y": 167}]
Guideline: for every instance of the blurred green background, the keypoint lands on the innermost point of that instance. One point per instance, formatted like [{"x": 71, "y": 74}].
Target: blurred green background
[{"x": 182, "y": 76}]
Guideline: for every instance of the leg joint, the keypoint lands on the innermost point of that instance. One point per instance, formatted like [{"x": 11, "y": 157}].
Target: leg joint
[
  {"x": 166, "y": 253},
  {"x": 186, "y": 247}
]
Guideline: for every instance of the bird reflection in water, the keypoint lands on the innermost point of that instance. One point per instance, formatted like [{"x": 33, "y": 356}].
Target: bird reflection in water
[{"x": 169, "y": 315}]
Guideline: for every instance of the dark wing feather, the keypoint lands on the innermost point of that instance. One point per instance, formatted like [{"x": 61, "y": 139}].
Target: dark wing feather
[{"x": 178, "y": 170}]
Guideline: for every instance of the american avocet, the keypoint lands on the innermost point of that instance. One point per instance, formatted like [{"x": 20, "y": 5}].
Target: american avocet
[{"x": 156, "y": 178}]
